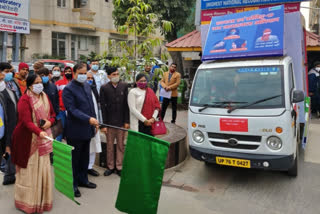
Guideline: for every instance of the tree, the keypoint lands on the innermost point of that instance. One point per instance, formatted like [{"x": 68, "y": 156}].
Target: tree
[
  {"x": 140, "y": 23},
  {"x": 175, "y": 11}
]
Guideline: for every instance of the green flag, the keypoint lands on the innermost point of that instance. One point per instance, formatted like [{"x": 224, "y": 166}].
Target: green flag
[
  {"x": 62, "y": 163},
  {"x": 142, "y": 174}
]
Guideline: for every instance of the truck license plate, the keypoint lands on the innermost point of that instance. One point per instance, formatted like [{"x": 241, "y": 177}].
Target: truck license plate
[{"x": 233, "y": 162}]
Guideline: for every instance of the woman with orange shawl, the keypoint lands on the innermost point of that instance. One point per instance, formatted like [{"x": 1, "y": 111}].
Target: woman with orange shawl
[{"x": 31, "y": 149}]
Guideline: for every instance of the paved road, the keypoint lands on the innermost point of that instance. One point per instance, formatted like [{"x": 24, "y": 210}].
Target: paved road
[{"x": 197, "y": 188}]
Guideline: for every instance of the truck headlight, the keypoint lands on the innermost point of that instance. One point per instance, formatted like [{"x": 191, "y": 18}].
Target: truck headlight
[
  {"x": 274, "y": 143},
  {"x": 198, "y": 136}
]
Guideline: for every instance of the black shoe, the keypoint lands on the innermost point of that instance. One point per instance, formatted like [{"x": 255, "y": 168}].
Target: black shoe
[
  {"x": 88, "y": 185},
  {"x": 108, "y": 172},
  {"x": 77, "y": 193},
  {"x": 173, "y": 122},
  {"x": 9, "y": 181},
  {"x": 93, "y": 172},
  {"x": 118, "y": 172}
]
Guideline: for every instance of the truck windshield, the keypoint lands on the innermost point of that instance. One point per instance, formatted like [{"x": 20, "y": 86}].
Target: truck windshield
[{"x": 238, "y": 85}]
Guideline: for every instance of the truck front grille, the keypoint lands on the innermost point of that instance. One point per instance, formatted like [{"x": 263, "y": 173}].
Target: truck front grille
[{"x": 247, "y": 142}]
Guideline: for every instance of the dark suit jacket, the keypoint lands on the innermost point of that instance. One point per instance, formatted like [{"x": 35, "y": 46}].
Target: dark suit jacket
[
  {"x": 77, "y": 99},
  {"x": 11, "y": 116},
  {"x": 114, "y": 104},
  {"x": 51, "y": 90}
]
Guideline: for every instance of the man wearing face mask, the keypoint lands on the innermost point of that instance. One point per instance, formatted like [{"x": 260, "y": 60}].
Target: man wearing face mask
[
  {"x": 9, "y": 80},
  {"x": 50, "y": 89},
  {"x": 314, "y": 87},
  {"x": 61, "y": 84},
  {"x": 8, "y": 122},
  {"x": 21, "y": 76},
  {"x": 115, "y": 112},
  {"x": 56, "y": 74},
  {"x": 99, "y": 76},
  {"x": 170, "y": 82},
  {"x": 81, "y": 125}
]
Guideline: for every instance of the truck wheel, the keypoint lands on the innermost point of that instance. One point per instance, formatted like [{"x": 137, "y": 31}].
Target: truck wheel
[{"x": 293, "y": 171}]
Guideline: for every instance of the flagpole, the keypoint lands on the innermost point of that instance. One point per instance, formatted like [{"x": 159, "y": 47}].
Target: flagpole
[
  {"x": 115, "y": 127},
  {"x": 51, "y": 139}
]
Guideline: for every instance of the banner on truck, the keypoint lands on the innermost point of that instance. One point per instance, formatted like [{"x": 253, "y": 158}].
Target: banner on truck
[
  {"x": 252, "y": 33},
  {"x": 214, "y": 4},
  {"x": 206, "y": 15}
]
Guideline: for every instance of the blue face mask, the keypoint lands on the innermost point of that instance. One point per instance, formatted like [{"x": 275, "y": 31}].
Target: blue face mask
[
  {"x": 45, "y": 80},
  {"x": 82, "y": 78},
  {"x": 8, "y": 77},
  {"x": 90, "y": 82},
  {"x": 95, "y": 67}
]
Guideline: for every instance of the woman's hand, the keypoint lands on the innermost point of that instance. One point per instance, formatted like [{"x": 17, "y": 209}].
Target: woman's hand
[
  {"x": 152, "y": 120},
  {"x": 43, "y": 135},
  {"x": 147, "y": 123},
  {"x": 46, "y": 125}
]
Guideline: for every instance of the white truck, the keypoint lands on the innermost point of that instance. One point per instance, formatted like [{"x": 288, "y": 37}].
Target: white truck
[{"x": 247, "y": 112}]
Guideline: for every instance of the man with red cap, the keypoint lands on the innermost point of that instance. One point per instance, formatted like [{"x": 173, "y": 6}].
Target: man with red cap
[{"x": 21, "y": 76}]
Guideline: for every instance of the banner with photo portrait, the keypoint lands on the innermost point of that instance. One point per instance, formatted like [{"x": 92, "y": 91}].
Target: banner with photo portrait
[{"x": 247, "y": 34}]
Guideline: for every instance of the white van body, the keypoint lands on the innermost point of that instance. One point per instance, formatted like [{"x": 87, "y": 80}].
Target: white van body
[{"x": 213, "y": 139}]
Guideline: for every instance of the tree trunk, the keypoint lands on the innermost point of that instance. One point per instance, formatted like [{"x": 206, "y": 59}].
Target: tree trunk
[{"x": 177, "y": 58}]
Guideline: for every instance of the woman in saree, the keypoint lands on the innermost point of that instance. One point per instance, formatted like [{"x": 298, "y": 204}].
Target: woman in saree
[{"x": 31, "y": 149}]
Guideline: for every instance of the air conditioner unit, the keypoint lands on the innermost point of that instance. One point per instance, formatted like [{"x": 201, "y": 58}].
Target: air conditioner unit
[{"x": 84, "y": 2}]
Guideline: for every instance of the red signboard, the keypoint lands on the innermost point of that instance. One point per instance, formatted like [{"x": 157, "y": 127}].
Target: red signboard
[
  {"x": 234, "y": 125},
  {"x": 206, "y": 15}
]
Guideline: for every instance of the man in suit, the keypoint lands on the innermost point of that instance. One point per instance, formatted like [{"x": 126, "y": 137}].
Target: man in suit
[
  {"x": 81, "y": 125},
  {"x": 8, "y": 121},
  {"x": 115, "y": 112},
  {"x": 170, "y": 82}
]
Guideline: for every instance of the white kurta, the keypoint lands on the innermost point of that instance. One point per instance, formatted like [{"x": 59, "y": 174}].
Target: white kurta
[
  {"x": 136, "y": 98},
  {"x": 95, "y": 143}
]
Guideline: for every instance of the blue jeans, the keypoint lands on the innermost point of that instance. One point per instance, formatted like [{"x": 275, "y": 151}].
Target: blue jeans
[{"x": 61, "y": 116}]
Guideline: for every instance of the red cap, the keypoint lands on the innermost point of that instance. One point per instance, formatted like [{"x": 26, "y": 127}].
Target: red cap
[{"x": 23, "y": 65}]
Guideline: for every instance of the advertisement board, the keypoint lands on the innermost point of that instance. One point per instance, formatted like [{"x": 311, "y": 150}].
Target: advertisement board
[
  {"x": 206, "y": 15},
  {"x": 15, "y": 26},
  {"x": 214, "y": 4},
  {"x": 16, "y": 9},
  {"x": 251, "y": 33}
]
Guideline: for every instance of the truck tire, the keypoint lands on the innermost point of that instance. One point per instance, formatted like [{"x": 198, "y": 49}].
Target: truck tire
[{"x": 293, "y": 171}]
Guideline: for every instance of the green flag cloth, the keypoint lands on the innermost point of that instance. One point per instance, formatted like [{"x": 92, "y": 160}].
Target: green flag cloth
[
  {"x": 142, "y": 174},
  {"x": 62, "y": 163}
]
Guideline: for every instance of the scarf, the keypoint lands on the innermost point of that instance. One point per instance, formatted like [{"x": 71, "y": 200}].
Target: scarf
[
  {"x": 151, "y": 103},
  {"x": 40, "y": 110},
  {"x": 22, "y": 83}
]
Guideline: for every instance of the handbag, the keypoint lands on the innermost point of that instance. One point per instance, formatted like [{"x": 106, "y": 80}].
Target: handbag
[
  {"x": 57, "y": 129},
  {"x": 158, "y": 128}
]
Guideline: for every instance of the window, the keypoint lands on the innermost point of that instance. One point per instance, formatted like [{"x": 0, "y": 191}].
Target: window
[
  {"x": 83, "y": 43},
  {"x": 59, "y": 44},
  {"x": 61, "y": 3}
]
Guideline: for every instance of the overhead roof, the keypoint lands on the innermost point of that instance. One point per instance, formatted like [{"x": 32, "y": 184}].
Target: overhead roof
[{"x": 189, "y": 42}]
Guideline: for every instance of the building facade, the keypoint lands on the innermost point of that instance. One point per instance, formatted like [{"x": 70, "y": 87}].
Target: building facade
[
  {"x": 65, "y": 29},
  {"x": 314, "y": 16}
]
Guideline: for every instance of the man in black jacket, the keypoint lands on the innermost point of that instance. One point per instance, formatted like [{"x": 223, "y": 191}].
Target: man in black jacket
[
  {"x": 115, "y": 112},
  {"x": 9, "y": 102},
  {"x": 50, "y": 89}
]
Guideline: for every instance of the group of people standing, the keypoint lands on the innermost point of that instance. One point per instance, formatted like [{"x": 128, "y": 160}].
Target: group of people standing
[{"x": 85, "y": 101}]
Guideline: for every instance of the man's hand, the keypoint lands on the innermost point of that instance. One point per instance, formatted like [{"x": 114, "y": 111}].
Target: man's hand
[
  {"x": 43, "y": 135},
  {"x": 8, "y": 150},
  {"x": 47, "y": 125},
  {"x": 127, "y": 126},
  {"x": 105, "y": 130},
  {"x": 93, "y": 121}
]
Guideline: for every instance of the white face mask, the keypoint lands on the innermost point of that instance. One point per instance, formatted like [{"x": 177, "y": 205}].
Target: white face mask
[
  {"x": 317, "y": 68},
  {"x": 115, "y": 79},
  {"x": 2, "y": 86},
  {"x": 37, "y": 88},
  {"x": 56, "y": 73}
]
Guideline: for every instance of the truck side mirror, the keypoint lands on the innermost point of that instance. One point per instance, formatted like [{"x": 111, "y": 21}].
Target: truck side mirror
[{"x": 298, "y": 96}]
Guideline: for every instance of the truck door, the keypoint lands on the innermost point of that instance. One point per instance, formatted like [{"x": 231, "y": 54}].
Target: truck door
[{"x": 293, "y": 106}]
